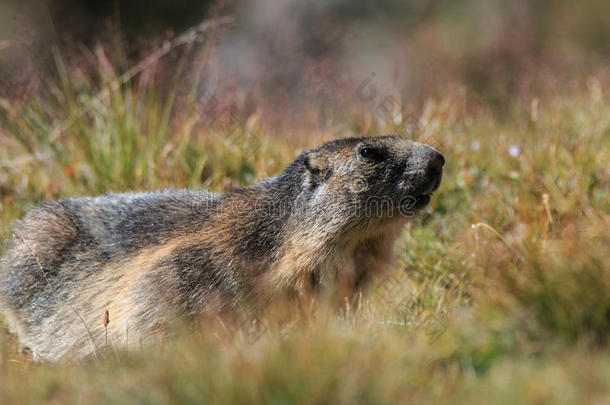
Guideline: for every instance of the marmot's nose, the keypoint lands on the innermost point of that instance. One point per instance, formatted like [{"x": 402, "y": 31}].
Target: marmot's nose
[{"x": 435, "y": 162}]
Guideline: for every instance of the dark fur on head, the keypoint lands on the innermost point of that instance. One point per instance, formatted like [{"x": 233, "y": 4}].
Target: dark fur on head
[{"x": 324, "y": 225}]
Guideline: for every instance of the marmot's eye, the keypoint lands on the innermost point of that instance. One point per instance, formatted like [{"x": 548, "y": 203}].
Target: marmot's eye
[{"x": 370, "y": 153}]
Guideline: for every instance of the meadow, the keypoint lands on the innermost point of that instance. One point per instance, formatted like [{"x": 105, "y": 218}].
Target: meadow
[{"x": 500, "y": 290}]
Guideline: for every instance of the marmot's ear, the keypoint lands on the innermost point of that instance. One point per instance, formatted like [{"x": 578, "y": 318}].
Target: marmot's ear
[{"x": 318, "y": 167}]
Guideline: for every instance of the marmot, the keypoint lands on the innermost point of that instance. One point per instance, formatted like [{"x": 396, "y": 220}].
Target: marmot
[{"x": 328, "y": 221}]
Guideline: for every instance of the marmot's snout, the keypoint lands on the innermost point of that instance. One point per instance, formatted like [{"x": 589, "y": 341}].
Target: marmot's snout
[
  {"x": 423, "y": 175},
  {"x": 434, "y": 169}
]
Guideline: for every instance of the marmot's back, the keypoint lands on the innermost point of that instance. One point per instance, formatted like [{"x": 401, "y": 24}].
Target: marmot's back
[
  {"x": 76, "y": 238},
  {"x": 327, "y": 223}
]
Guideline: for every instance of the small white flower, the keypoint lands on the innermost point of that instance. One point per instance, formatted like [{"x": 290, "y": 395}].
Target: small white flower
[
  {"x": 398, "y": 118},
  {"x": 513, "y": 150},
  {"x": 475, "y": 145}
]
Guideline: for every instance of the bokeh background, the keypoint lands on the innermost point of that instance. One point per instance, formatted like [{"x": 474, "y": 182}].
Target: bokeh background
[{"x": 290, "y": 51}]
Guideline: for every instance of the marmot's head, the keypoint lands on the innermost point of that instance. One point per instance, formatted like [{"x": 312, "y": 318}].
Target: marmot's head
[{"x": 373, "y": 177}]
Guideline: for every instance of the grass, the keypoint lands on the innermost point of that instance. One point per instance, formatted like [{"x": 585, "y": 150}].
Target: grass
[{"x": 500, "y": 291}]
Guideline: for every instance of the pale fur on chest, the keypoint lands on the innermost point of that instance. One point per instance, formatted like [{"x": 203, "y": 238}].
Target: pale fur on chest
[{"x": 343, "y": 263}]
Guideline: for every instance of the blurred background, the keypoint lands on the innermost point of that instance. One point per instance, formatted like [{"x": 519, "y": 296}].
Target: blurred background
[{"x": 287, "y": 54}]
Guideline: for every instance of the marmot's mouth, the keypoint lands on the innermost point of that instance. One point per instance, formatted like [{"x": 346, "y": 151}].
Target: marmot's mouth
[
  {"x": 420, "y": 190},
  {"x": 411, "y": 203},
  {"x": 421, "y": 201}
]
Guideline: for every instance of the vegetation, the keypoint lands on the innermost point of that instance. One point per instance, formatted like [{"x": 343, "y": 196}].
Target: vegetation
[{"x": 501, "y": 289}]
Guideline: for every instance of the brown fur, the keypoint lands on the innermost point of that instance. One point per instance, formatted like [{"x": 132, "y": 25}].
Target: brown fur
[{"x": 325, "y": 225}]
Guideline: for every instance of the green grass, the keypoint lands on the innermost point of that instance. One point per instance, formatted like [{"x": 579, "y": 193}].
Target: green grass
[{"x": 499, "y": 294}]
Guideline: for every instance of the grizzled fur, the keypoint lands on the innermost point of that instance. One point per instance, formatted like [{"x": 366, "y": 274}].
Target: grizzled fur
[{"x": 327, "y": 223}]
